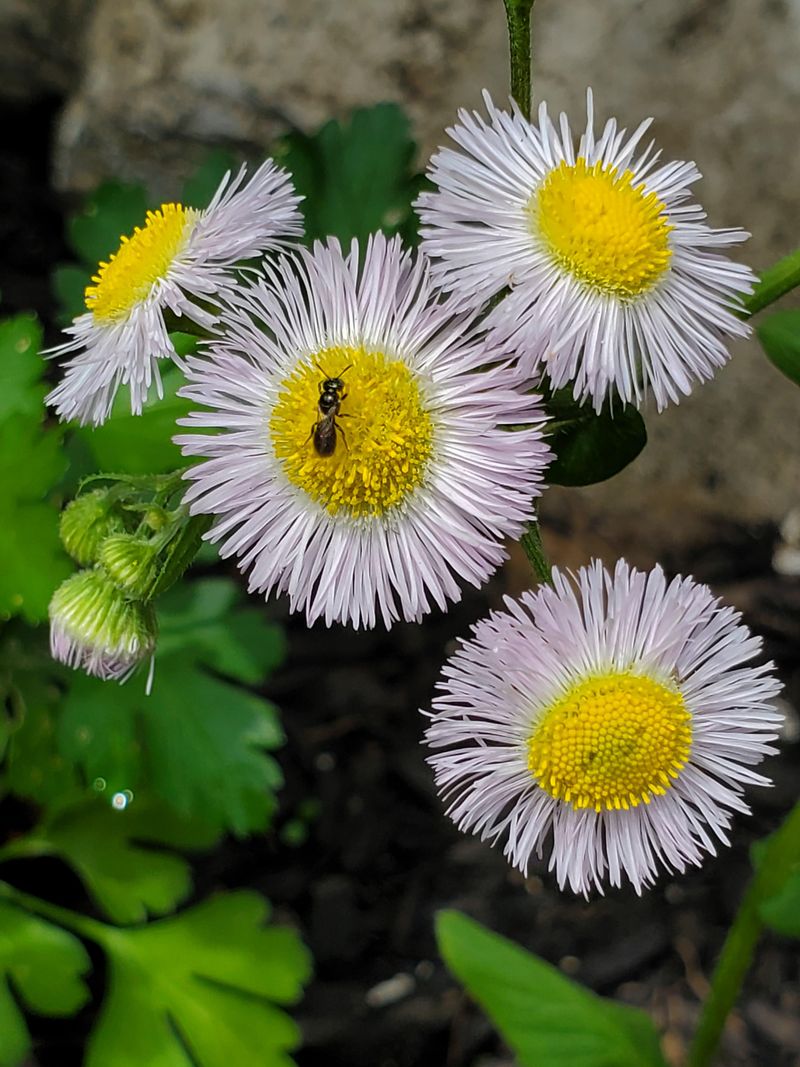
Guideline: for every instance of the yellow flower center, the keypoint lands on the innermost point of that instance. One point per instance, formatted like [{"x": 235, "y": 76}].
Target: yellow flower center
[
  {"x": 611, "y": 741},
  {"x": 383, "y": 434},
  {"x": 601, "y": 228},
  {"x": 139, "y": 262}
]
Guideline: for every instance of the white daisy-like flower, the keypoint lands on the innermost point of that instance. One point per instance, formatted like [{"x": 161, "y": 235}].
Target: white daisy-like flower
[
  {"x": 95, "y": 627},
  {"x": 615, "y": 281},
  {"x": 179, "y": 261},
  {"x": 612, "y": 718},
  {"x": 370, "y": 448}
]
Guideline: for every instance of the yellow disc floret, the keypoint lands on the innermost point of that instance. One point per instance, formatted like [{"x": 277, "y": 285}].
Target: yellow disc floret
[
  {"x": 601, "y": 228},
  {"x": 384, "y": 437},
  {"x": 140, "y": 261},
  {"x": 611, "y": 741}
]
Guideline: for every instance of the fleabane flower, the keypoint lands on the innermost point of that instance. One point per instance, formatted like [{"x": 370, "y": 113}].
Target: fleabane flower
[
  {"x": 178, "y": 261},
  {"x": 95, "y": 627},
  {"x": 369, "y": 448},
  {"x": 615, "y": 281},
  {"x": 612, "y": 719}
]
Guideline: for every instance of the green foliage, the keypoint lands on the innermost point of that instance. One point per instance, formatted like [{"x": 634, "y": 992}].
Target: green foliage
[
  {"x": 199, "y": 989},
  {"x": 108, "y": 850},
  {"x": 205, "y": 741},
  {"x": 31, "y": 465},
  {"x": 780, "y": 336},
  {"x": 590, "y": 446},
  {"x": 543, "y": 1016},
  {"x": 356, "y": 177},
  {"x": 782, "y": 911},
  {"x": 40, "y": 965}
]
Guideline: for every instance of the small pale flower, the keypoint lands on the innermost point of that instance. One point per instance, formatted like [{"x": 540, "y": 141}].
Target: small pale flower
[
  {"x": 615, "y": 282},
  {"x": 611, "y": 719},
  {"x": 95, "y": 627},
  {"x": 178, "y": 262},
  {"x": 369, "y": 449}
]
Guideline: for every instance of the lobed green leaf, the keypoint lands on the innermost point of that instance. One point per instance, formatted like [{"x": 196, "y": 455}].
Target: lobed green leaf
[
  {"x": 200, "y": 990},
  {"x": 42, "y": 966},
  {"x": 356, "y": 177}
]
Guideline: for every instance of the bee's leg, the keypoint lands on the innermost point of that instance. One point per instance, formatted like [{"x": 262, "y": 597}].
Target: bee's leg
[
  {"x": 314, "y": 425},
  {"x": 344, "y": 435}
]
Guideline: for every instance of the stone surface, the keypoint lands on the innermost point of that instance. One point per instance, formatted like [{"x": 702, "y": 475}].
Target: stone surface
[{"x": 163, "y": 79}]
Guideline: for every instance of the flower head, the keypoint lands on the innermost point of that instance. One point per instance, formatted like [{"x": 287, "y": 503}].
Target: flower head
[
  {"x": 180, "y": 256},
  {"x": 613, "y": 716},
  {"x": 95, "y": 627},
  {"x": 616, "y": 282},
  {"x": 369, "y": 448}
]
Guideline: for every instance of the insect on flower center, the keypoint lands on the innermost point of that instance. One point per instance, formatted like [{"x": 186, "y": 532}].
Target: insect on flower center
[
  {"x": 139, "y": 262},
  {"x": 601, "y": 228},
  {"x": 382, "y": 433},
  {"x": 611, "y": 741}
]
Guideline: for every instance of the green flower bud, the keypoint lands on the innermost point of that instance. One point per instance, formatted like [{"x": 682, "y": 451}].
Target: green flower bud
[
  {"x": 85, "y": 523},
  {"x": 95, "y": 627},
  {"x": 131, "y": 563}
]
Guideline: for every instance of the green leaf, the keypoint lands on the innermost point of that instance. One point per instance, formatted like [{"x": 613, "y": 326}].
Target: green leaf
[
  {"x": 140, "y": 444},
  {"x": 112, "y": 211},
  {"x": 590, "y": 446},
  {"x": 43, "y": 965},
  {"x": 544, "y": 1017},
  {"x": 205, "y": 740},
  {"x": 107, "y": 848},
  {"x": 780, "y": 337},
  {"x": 200, "y": 188},
  {"x": 782, "y": 911},
  {"x": 356, "y": 177},
  {"x": 200, "y": 989},
  {"x": 21, "y": 367},
  {"x": 31, "y": 463}
]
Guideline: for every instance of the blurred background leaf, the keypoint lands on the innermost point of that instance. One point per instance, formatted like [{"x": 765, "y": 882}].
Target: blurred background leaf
[
  {"x": 356, "y": 176},
  {"x": 31, "y": 465}
]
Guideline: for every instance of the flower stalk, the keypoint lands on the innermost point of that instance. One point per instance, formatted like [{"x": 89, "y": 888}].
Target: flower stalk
[
  {"x": 518, "y": 15},
  {"x": 781, "y": 854}
]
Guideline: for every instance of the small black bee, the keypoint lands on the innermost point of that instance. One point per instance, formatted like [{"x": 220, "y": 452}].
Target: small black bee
[{"x": 324, "y": 430}]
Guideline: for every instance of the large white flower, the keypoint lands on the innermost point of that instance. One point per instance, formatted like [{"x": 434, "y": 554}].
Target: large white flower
[
  {"x": 615, "y": 282},
  {"x": 369, "y": 447},
  {"x": 612, "y": 719},
  {"x": 179, "y": 262}
]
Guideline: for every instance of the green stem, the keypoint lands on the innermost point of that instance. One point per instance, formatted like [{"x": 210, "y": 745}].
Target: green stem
[
  {"x": 518, "y": 14},
  {"x": 70, "y": 920},
  {"x": 774, "y": 283},
  {"x": 781, "y": 853},
  {"x": 531, "y": 542}
]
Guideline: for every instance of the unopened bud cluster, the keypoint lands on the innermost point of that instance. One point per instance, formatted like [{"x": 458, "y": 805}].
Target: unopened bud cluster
[{"x": 102, "y": 618}]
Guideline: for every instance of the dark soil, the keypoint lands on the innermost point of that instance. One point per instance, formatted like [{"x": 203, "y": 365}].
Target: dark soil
[{"x": 379, "y": 858}]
